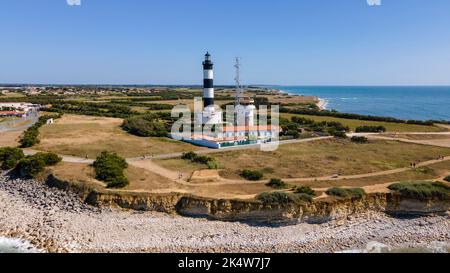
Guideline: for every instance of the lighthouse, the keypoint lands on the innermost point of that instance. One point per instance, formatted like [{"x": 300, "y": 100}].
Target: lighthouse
[
  {"x": 210, "y": 114},
  {"x": 208, "y": 81}
]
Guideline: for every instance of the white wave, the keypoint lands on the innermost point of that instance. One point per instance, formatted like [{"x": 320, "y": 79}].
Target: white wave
[{"x": 9, "y": 245}]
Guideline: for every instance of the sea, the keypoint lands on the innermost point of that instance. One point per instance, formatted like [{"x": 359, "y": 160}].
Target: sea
[
  {"x": 402, "y": 102},
  {"x": 10, "y": 245}
]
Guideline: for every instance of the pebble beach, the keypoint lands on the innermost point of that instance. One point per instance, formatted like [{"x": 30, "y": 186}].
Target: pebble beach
[{"x": 50, "y": 220}]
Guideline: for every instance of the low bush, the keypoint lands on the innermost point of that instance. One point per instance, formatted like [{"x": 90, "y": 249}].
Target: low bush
[
  {"x": 50, "y": 159},
  {"x": 252, "y": 175},
  {"x": 278, "y": 198},
  {"x": 359, "y": 139},
  {"x": 305, "y": 197},
  {"x": 30, "y": 167},
  {"x": 9, "y": 157},
  {"x": 305, "y": 190},
  {"x": 109, "y": 168},
  {"x": 346, "y": 193},
  {"x": 447, "y": 178},
  {"x": 422, "y": 190},
  {"x": 338, "y": 134},
  {"x": 277, "y": 184},
  {"x": 201, "y": 159},
  {"x": 188, "y": 156},
  {"x": 370, "y": 129}
]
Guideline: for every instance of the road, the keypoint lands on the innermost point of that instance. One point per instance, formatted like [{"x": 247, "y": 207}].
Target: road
[{"x": 29, "y": 120}]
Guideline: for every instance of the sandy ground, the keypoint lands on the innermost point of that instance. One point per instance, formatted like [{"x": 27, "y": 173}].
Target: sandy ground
[{"x": 59, "y": 222}]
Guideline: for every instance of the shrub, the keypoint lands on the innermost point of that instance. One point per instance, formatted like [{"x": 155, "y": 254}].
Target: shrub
[
  {"x": 422, "y": 190},
  {"x": 201, "y": 159},
  {"x": 305, "y": 190},
  {"x": 305, "y": 197},
  {"x": 213, "y": 165},
  {"x": 278, "y": 198},
  {"x": 50, "y": 159},
  {"x": 188, "y": 156},
  {"x": 346, "y": 193},
  {"x": 447, "y": 178},
  {"x": 338, "y": 134},
  {"x": 252, "y": 175},
  {"x": 370, "y": 129},
  {"x": 277, "y": 184},
  {"x": 9, "y": 157},
  {"x": 109, "y": 167},
  {"x": 359, "y": 139},
  {"x": 149, "y": 125},
  {"x": 30, "y": 166}
]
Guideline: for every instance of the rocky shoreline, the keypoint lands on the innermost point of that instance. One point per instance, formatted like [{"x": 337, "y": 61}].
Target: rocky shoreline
[{"x": 58, "y": 221}]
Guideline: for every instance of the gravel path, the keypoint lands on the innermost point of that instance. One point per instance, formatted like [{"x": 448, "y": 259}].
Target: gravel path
[{"x": 60, "y": 222}]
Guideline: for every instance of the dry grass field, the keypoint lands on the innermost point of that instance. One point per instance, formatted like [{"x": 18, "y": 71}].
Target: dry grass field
[
  {"x": 317, "y": 159},
  {"x": 144, "y": 181},
  {"x": 390, "y": 126},
  {"x": 84, "y": 135},
  {"x": 10, "y": 139}
]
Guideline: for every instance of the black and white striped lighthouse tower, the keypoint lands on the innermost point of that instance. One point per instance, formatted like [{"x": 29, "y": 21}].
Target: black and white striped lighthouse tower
[{"x": 208, "y": 82}]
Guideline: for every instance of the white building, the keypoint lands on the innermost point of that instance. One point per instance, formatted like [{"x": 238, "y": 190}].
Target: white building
[{"x": 243, "y": 132}]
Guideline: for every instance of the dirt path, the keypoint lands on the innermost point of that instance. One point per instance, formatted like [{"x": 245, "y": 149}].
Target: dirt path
[{"x": 429, "y": 142}]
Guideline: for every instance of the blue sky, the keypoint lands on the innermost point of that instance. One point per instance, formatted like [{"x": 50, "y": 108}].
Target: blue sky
[{"x": 288, "y": 42}]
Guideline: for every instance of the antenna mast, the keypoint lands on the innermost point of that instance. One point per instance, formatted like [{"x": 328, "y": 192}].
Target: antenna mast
[{"x": 239, "y": 91}]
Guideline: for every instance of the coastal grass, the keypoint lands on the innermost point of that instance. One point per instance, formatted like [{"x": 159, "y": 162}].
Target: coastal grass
[
  {"x": 422, "y": 190},
  {"x": 353, "y": 124},
  {"x": 83, "y": 136},
  {"x": 317, "y": 159}
]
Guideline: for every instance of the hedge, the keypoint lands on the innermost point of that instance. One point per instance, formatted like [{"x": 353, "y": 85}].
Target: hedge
[
  {"x": 31, "y": 136},
  {"x": 336, "y": 114}
]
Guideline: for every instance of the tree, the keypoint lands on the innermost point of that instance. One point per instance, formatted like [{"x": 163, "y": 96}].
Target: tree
[{"x": 109, "y": 167}]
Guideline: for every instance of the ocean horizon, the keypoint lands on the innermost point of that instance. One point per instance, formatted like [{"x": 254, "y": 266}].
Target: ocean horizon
[{"x": 403, "y": 102}]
